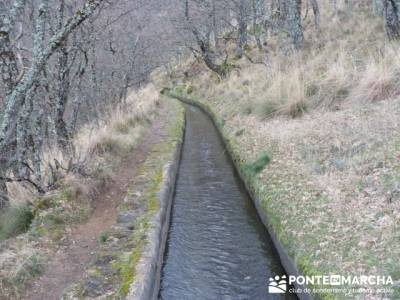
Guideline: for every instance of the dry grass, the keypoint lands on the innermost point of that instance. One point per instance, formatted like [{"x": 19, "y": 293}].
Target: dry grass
[
  {"x": 338, "y": 172},
  {"x": 118, "y": 134},
  {"x": 350, "y": 61},
  {"x": 379, "y": 79},
  {"x": 113, "y": 138},
  {"x": 17, "y": 266}
]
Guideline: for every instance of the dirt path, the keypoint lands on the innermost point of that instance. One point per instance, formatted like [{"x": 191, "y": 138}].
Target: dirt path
[{"x": 68, "y": 264}]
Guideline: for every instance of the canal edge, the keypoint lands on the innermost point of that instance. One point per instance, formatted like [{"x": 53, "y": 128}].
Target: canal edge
[
  {"x": 149, "y": 267},
  {"x": 287, "y": 262}
]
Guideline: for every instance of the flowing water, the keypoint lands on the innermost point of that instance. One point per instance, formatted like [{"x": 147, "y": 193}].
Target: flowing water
[{"x": 217, "y": 247}]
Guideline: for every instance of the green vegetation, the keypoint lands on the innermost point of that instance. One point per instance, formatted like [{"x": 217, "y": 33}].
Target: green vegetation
[
  {"x": 258, "y": 165},
  {"x": 15, "y": 220},
  {"x": 32, "y": 267},
  {"x": 104, "y": 236},
  {"x": 126, "y": 266}
]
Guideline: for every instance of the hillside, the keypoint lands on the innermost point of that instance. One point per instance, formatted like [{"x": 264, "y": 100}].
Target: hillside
[{"x": 328, "y": 119}]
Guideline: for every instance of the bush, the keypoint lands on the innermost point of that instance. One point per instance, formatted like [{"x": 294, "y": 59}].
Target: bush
[
  {"x": 296, "y": 109},
  {"x": 257, "y": 166},
  {"x": 123, "y": 126},
  {"x": 30, "y": 268},
  {"x": 110, "y": 144},
  {"x": 268, "y": 108},
  {"x": 15, "y": 220}
]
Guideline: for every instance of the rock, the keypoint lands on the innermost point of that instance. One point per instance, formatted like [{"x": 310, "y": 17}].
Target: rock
[
  {"x": 120, "y": 232},
  {"x": 127, "y": 216},
  {"x": 95, "y": 286}
]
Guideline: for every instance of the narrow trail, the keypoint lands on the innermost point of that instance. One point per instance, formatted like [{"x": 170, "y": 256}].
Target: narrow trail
[{"x": 68, "y": 263}]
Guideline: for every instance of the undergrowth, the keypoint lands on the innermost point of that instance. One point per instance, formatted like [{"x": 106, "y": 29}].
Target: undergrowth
[
  {"x": 47, "y": 218},
  {"x": 257, "y": 166},
  {"x": 15, "y": 220}
]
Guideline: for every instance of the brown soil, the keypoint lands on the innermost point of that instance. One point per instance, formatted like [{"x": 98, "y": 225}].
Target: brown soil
[{"x": 67, "y": 264}]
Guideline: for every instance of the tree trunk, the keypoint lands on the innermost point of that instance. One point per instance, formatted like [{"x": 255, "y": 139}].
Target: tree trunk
[
  {"x": 203, "y": 43},
  {"x": 215, "y": 26},
  {"x": 63, "y": 137},
  {"x": 8, "y": 62},
  {"x": 213, "y": 66},
  {"x": 256, "y": 31},
  {"x": 242, "y": 29},
  {"x": 8, "y": 75},
  {"x": 16, "y": 98},
  {"x": 349, "y": 5},
  {"x": 392, "y": 18},
  {"x": 335, "y": 7},
  {"x": 187, "y": 10},
  {"x": 63, "y": 81},
  {"x": 38, "y": 136},
  {"x": 294, "y": 22},
  {"x": 378, "y": 7},
  {"x": 317, "y": 15},
  {"x": 22, "y": 139},
  {"x": 4, "y": 201},
  {"x": 208, "y": 56}
]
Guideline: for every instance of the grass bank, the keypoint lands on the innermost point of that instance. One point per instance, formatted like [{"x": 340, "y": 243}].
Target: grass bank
[
  {"x": 316, "y": 134},
  {"x": 325, "y": 232}
]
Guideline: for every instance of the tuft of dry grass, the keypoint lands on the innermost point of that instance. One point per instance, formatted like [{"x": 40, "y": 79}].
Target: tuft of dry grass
[
  {"x": 118, "y": 134},
  {"x": 379, "y": 79},
  {"x": 19, "y": 263}
]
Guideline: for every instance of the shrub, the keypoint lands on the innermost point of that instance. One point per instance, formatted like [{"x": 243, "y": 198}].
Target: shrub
[
  {"x": 29, "y": 269},
  {"x": 294, "y": 109},
  {"x": 257, "y": 166},
  {"x": 247, "y": 108},
  {"x": 109, "y": 144},
  {"x": 15, "y": 220},
  {"x": 268, "y": 108},
  {"x": 123, "y": 126},
  {"x": 104, "y": 237}
]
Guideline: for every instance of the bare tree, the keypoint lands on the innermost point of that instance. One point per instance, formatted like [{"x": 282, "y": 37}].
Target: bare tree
[
  {"x": 335, "y": 7},
  {"x": 378, "y": 7},
  {"x": 8, "y": 73},
  {"x": 392, "y": 18},
  {"x": 258, "y": 18},
  {"x": 62, "y": 64},
  {"x": 19, "y": 87},
  {"x": 294, "y": 22},
  {"x": 202, "y": 46},
  {"x": 241, "y": 9},
  {"x": 317, "y": 15}
]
